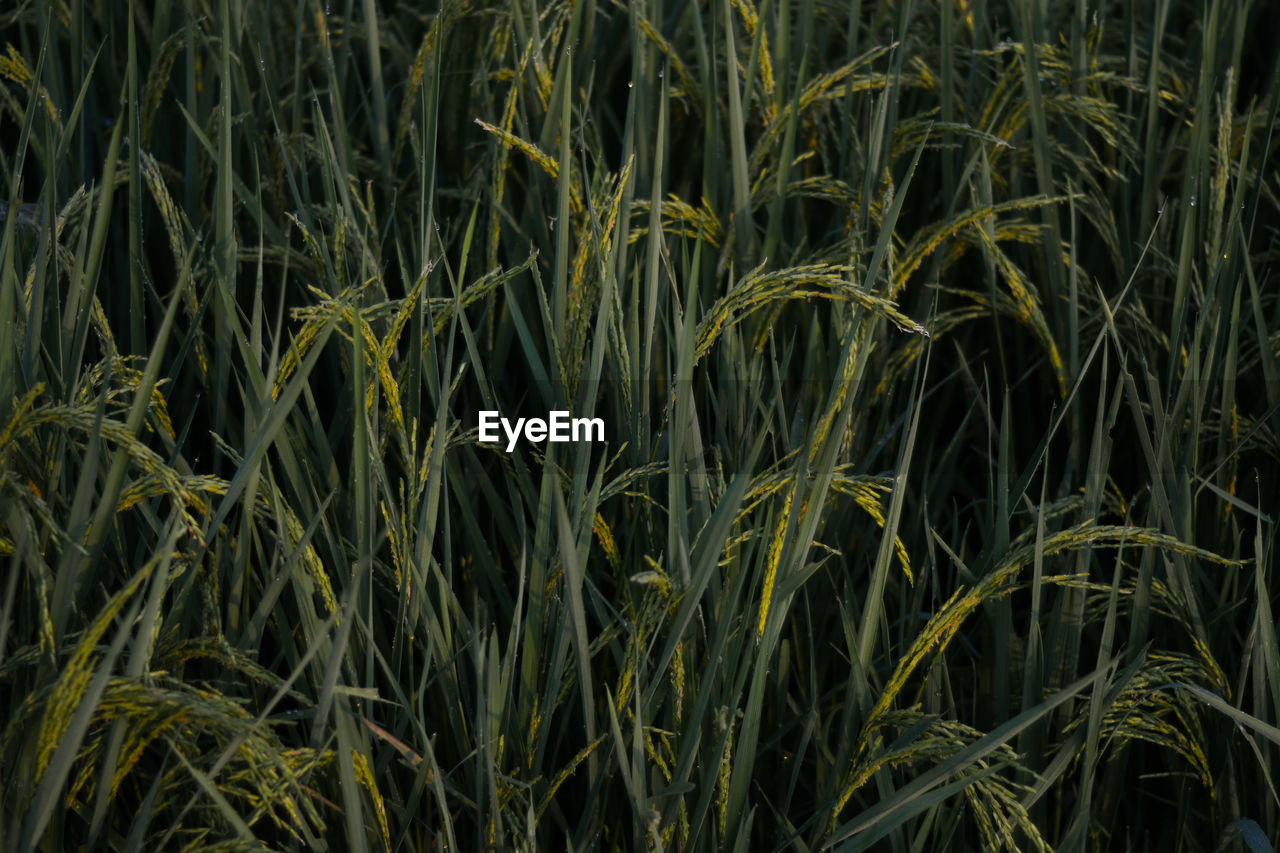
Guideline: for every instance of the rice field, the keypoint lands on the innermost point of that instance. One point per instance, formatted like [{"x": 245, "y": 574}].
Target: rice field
[{"x": 925, "y": 359}]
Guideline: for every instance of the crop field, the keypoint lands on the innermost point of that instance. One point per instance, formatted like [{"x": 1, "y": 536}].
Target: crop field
[{"x": 739, "y": 425}]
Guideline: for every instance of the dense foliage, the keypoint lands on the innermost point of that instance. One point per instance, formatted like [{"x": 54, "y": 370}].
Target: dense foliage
[{"x": 936, "y": 344}]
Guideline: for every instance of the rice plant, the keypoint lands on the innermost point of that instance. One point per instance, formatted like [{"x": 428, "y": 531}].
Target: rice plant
[{"x": 935, "y": 347}]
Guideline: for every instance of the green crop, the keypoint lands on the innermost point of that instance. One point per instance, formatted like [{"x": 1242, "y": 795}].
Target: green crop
[{"x": 935, "y": 347}]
